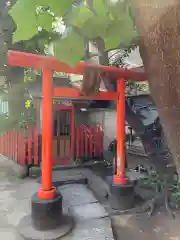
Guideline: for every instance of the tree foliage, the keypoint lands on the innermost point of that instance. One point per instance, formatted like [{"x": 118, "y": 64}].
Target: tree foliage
[
  {"x": 13, "y": 89},
  {"x": 90, "y": 20}
]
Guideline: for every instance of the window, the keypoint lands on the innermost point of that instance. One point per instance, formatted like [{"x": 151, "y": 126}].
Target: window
[{"x": 4, "y": 106}]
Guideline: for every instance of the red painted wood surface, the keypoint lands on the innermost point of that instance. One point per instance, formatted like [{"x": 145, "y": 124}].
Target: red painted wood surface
[
  {"x": 75, "y": 94},
  {"x": 15, "y": 145},
  {"x": 28, "y": 60},
  {"x": 47, "y": 129},
  {"x": 36, "y": 147},
  {"x": 30, "y": 146},
  {"x": 72, "y": 133},
  {"x": 24, "y": 148},
  {"x": 120, "y": 175},
  {"x": 89, "y": 142}
]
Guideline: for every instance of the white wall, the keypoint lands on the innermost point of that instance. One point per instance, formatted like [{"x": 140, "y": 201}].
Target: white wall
[
  {"x": 107, "y": 119},
  {"x": 109, "y": 127}
]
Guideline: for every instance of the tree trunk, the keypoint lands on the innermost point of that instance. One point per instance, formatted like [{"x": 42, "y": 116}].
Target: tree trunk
[{"x": 158, "y": 25}]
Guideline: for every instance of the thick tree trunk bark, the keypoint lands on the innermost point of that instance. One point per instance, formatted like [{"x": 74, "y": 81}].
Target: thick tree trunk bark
[{"x": 158, "y": 24}]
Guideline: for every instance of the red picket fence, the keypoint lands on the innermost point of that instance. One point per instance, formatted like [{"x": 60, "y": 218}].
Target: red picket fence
[
  {"x": 20, "y": 146},
  {"x": 24, "y": 148},
  {"x": 89, "y": 142}
]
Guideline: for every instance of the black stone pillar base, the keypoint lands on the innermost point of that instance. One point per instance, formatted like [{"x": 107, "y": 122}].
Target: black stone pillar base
[
  {"x": 47, "y": 221},
  {"x": 122, "y": 197}
]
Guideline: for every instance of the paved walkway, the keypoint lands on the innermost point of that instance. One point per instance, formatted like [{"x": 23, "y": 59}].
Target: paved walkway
[{"x": 91, "y": 218}]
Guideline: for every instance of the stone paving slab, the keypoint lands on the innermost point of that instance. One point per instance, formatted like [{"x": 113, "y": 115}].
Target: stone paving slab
[
  {"x": 88, "y": 212},
  {"x": 8, "y": 233},
  {"x": 76, "y": 195},
  {"x": 67, "y": 176},
  {"x": 91, "y": 218},
  {"x": 96, "y": 229}
]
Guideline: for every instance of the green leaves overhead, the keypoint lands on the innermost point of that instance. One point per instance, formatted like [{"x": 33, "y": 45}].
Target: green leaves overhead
[
  {"x": 45, "y": 21},
  {"x": 24, "y": 15},
  {"x": 107, "y": 19},
  {"x": 27, "y": 19},
  {"x": 119, "y": 31},
  {"x": 97, "y": 22},
  {"x": 69, "y": 49},
  {"x": 58, "y": 7},
  {"x": 110, "y": 26},
  {"x": 80, "y": 16},
  {"x": 116, "y": 8},
  {"x": 100, "y": 8}
]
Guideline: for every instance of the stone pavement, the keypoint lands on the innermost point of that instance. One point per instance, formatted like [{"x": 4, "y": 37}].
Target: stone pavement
[
  {"x": 92, "y": 221},
  {"x": 91, "y": 218}
]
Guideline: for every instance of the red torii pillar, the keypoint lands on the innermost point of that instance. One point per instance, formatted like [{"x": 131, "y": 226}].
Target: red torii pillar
[
  {"x": 47, "y": 191},
  {"x": 120, "y": 175}
]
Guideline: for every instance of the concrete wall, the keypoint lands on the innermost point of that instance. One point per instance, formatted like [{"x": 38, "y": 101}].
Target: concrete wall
[
  {"x": 81, "y": 118},
  {"x": 109, "y": 127},
  {"x": 107, "y": 119}
]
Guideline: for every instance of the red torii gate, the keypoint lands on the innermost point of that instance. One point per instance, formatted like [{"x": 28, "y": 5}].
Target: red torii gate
[
  {"x": 49, "y": 64},
  {"x": 47, "y": 220}
]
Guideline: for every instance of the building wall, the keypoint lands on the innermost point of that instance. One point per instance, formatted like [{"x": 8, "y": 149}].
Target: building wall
[
  {"x": 81, "y": 118},
  {"x": 107, "y": 119},
  {"x": 109, "y": 127}
]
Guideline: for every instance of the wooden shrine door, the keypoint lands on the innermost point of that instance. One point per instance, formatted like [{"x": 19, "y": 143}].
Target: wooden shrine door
[{"x": 62, "y": 136}]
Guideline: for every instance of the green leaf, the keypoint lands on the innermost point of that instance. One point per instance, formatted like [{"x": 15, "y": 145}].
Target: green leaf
[
  {"x": 119, "y": 31},
  {"x": 69, "y": 49},
  {"x": 58, "y": 7},
  {"x": 80, "y": 16},
  {"x": 45, "y": 21},
  {"x": 116, "y": 8},
  {"x": 91, "y": 23},
  {"x": 100, "y": 8},
  {"x": 24, "y": 15},
  {"x": 95, "y": 27}
]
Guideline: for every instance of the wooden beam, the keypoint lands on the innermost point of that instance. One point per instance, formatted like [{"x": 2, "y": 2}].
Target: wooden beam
[
  {"x": 75, "y": 94},
  {"x": 28, "y": 60}
]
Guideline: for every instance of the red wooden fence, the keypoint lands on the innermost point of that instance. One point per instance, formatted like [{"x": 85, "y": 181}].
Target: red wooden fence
[
  {"x": 23, "y": 146},
  {"x": 20, "y": 146},
  {"x": 89, "y": 142}
]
